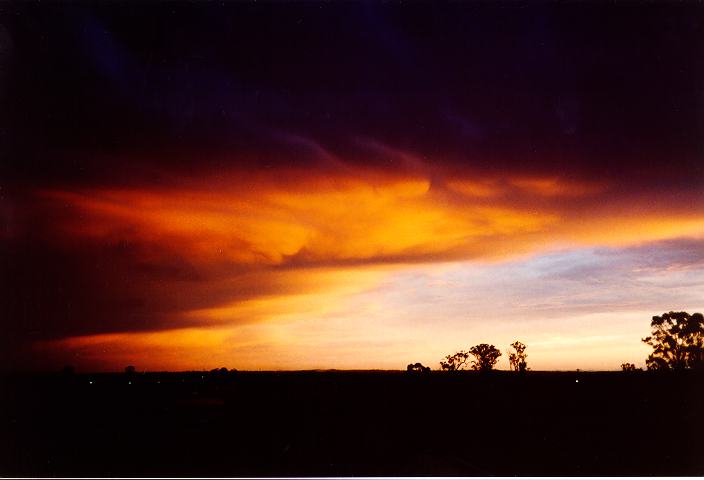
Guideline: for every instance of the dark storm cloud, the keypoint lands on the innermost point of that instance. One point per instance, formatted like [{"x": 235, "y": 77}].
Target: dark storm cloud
[
  {"x": 118, "y": 281},
  {"x": 54, "y": 287},
  {"x": 597, "y": 89}
]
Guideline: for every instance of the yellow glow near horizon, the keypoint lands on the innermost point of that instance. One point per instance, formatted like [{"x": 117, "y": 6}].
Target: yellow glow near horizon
[{"x": 321, "y": 244}]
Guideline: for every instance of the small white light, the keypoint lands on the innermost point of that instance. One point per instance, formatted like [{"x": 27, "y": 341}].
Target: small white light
[
  {"x": 576, "y": 381},
  {"x": 91, "y": 382},
  {"x": 130, "y": 383}
]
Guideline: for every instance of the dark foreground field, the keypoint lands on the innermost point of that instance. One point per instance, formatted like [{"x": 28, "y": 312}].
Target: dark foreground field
[{"x": 352, "y": 423}]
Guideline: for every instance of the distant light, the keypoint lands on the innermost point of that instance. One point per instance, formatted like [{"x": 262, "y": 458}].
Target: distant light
[
  {"x": 91, "y": 382},
  {"x": 130, "y": 383},
  {"x": 576, "y": 381}
]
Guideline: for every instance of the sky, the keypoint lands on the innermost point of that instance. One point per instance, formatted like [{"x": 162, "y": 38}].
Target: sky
[{"x": 358, "y": 185}]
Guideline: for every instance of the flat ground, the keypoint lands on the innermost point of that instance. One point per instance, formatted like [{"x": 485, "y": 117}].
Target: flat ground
[{"x": 352, "y": 423}]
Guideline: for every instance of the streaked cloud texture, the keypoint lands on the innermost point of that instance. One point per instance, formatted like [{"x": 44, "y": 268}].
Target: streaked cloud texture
[{"x": 287, "y": 186}]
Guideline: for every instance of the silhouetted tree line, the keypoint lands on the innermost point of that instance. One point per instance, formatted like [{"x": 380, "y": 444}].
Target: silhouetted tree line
[
  {"x": 480, "y": 357},
  {"x": 222, "y": 373},
  {"x": 485, "y": 357},
  {"x": 677, "y": 339}
]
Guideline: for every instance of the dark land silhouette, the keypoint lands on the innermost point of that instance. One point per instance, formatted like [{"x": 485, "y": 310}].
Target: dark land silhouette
[
  {"x": 464, "y": 420},
  {"x": 226, "y": 423}
]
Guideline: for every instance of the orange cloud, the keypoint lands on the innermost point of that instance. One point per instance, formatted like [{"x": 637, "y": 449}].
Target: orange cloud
[
  {"x": 268, "y": 249},
  {"x": 556, "y": 187},
  {"x": 344, "y": 219},
  {"x": 476, "y": 188}
]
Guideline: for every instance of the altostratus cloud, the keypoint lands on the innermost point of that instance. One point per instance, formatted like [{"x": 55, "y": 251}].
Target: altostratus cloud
[{"x": 245, "y": 247}]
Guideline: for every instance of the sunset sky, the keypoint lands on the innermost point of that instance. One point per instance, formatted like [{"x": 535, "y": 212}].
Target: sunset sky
[{"x": 186, "y": 186}]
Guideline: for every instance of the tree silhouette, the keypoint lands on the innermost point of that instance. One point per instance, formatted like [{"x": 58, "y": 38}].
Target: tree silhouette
[
  {"x": 485, "y": 356},
  {"x": 678, "y": 341},
  {"x": 417, "y": 367},
  {"x": 629, "y": 367},
  {"x": 517, "y": 357},
  {"x": 458, "y": 361},
  {"x": 129, "y": 370}
]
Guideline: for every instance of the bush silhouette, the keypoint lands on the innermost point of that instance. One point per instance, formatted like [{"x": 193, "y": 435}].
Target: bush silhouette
[
  {"x": 677, "y": 339},
  {"x": 129, "y": 370},
  {"x": 485, "y": 356},
  {"x": 221, "y": 373},
  {"x": 458, "y": 361},
  {"x": 417, "y": 367},
  {"x": 517, "y": 357},
  {"x": 629, "y": 367}
]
